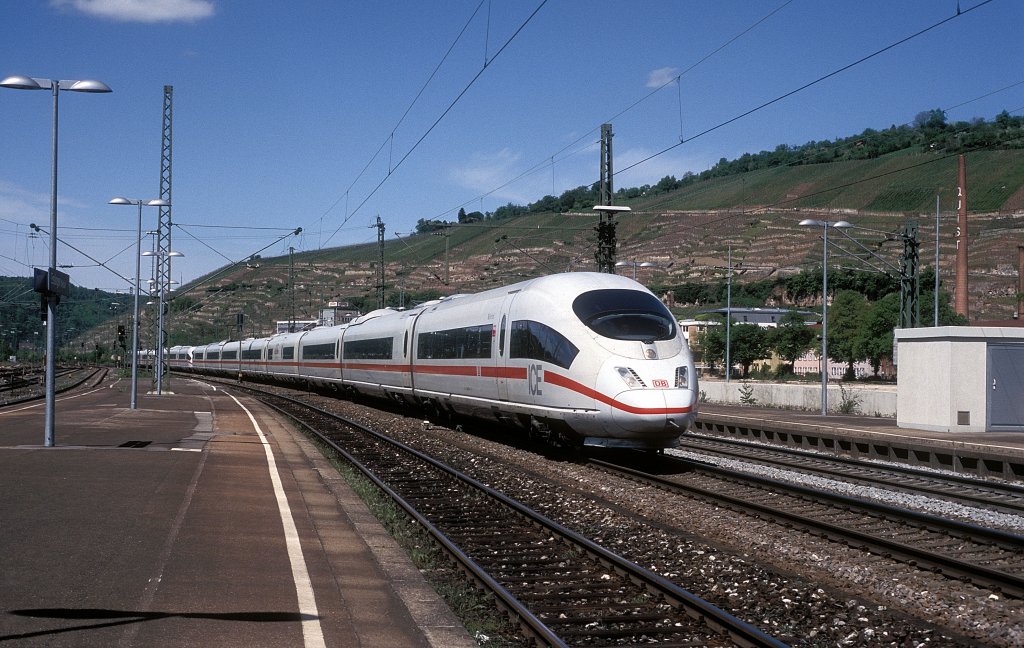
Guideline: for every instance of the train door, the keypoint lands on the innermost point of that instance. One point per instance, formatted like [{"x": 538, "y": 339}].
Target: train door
[
  {"x": 409, "y": 347},
  {"x": 504, "y": 324}
]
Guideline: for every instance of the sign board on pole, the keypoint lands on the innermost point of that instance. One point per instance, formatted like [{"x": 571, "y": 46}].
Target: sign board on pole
[
  {"x": 60, "y": 283},
  {"x": 53, "y": 282},
  {"x": 40, "y": 280}
]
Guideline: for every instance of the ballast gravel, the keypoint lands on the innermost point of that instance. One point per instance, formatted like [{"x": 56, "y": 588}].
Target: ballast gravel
[{"x": 801, "y": 589}]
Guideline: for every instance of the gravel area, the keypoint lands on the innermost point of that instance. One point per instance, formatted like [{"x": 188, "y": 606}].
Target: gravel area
[
  {"x": 802, "y": 589},
  {"x": 940, "y": 507}
]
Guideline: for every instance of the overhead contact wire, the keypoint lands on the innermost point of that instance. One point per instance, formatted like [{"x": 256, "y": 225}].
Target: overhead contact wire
[{"x": 444, "y": 113}]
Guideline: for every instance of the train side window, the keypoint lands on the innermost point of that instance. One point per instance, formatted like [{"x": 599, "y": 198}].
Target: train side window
[
  {"x": 288, "y": 353},
  {"x": 369, "y": 349},
  {"x": 538, "y": 341},
  {"x": 454, "y": 344},
  {"x": 318, "y": 351}
]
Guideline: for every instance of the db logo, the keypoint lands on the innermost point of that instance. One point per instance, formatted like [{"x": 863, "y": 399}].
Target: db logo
[{"x": 659, "y": 383}]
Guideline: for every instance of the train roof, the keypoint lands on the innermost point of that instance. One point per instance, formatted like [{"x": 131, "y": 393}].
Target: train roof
[{"x": 556, "y": 286}]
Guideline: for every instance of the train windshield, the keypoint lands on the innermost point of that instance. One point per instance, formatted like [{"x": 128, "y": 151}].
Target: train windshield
[{"x": 622, "y": 314}]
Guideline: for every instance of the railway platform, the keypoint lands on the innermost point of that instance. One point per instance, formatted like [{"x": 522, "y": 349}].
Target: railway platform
[
  {"x": 985, "y": 454},
  {"x": 196, "y": 519}
]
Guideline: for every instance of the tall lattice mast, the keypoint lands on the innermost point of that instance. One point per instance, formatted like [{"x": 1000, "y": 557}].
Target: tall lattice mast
[
  {"x": 163, "y": 229},
  {"x": 380, "y": 262},
  {"x": 605, "y": 253}
]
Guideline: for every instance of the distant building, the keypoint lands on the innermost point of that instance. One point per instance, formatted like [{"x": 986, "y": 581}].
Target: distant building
[
  {"x": 284, "y": 326},
  {"x": 763, "y": 317},
  {"x": 691, "y": 328},
  {"x": 334, "y": 315},
  {"x": 810, "y": 363}
]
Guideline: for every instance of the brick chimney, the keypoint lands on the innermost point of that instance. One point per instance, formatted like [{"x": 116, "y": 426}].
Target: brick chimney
[
  {"x": 960, "y": 301},
  {"x": 1020, "y": 282}
]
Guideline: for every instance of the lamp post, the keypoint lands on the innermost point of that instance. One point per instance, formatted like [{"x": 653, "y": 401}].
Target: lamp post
[
  {"x": 728, "y": 319},
  {"x": 159, "y": 358},
  {"x": 635, "y": 264},
  {"x": 115, "y": 312},
  {"x": 824, "y": 225},
  {"x": 135, "y": 311},
  {"x": 19, "y": 82}
]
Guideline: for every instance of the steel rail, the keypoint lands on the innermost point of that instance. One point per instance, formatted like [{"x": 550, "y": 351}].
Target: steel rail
[
  {"x": 740, "y": 632},
  {"x": 1005, "y": 496},
  {"x": 102, "y": 372},
  {"x": 1009, "y": 584}
]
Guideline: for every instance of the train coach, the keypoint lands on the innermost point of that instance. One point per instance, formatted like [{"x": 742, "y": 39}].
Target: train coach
[{"x": 574, "y": 358}]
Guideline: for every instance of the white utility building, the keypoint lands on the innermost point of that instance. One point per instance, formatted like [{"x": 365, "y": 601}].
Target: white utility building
[{"x": 960, "y": 379}]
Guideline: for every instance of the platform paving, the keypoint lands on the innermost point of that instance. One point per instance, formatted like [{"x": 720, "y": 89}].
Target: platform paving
[{"x": 162, "y": 527}]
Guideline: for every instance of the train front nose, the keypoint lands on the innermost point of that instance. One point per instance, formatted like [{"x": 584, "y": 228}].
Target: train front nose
[
  {"x": 651, "y": 410},
  {"x": 658, "y": 396}
]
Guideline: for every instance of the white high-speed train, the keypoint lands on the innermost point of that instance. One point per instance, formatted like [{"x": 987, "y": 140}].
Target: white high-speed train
[{"x": 578, "y": 358}]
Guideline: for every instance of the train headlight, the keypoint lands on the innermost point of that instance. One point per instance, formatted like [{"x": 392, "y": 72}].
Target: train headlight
[
  {"x": 630, "y": 378},
  {"x": 682, "y": 378}
]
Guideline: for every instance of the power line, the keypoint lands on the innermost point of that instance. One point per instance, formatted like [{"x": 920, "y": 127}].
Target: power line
[
  {"x": 550, "y": 159},
  {"x": 808, "y": 85},
  {"x": 437, "y": 121},
  {"x": 390, "y": 137}
]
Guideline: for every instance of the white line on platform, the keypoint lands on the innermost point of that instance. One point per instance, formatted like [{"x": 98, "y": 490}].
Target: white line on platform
[{"x": 312, "y": 633}]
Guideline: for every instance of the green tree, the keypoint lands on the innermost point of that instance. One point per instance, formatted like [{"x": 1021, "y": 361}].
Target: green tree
[
  {"x": 712, "y": 345},
  {"x": 875, "y": 341},
  {"x": 424, "y": 226},
  {"x": 947, "y": 316},
  {"x": 845, "y": 319},
  {"x": 792, "y": 338},
  {"x": 748, "y": 343},
  {"x": 666, "y": 184}
]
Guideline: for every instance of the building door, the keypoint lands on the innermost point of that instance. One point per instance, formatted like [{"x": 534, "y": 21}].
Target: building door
[{"x": 1005, "y": 387}]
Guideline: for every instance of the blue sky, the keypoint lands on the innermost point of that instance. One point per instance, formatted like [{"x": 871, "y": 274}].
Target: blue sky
[{"x": 294, "y": 114}]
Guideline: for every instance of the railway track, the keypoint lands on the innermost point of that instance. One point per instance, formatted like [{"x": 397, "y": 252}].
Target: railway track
[
  {"x": 985, "y": 557},
  {"x": 66, "y": 379},
  {"x": 993, "y": 495},
  {"x": 562, "y": 589}
]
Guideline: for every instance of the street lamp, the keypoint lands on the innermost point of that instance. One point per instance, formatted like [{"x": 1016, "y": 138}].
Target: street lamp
[
  {"x": 159, "y": 367},
  {"x": 138, "y": 261},
  {"x": 19, "y": 82},
  {"x": 635, "y": 264},
  {"x": 824, "y": 225}
]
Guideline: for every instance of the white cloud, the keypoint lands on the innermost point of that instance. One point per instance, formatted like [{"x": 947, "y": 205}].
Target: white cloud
[
  {"x": 21, "y": 205},
  {"x": 661, "y": 76},
  {"x": 485, "y": 172},
  {"x": 146, "y": 11}
]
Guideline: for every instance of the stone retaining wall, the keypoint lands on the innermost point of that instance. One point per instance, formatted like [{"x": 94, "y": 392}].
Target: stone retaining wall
[{"x": 869, "y": 400}]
